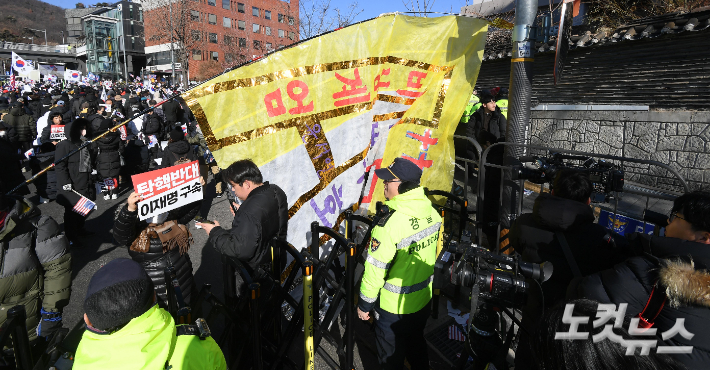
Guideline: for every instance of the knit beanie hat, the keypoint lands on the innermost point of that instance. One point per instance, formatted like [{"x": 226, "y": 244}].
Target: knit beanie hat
[
  {"x": 119, "y": 292},
  {"x": 176, "y": 134}
]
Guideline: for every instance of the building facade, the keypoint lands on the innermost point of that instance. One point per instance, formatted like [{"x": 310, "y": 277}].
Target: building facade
[
  {"x": 211, "y": 35},
  {"x": 110, "y": 39}
]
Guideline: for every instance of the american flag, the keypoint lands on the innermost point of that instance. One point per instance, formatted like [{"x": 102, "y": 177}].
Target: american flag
[
  {"x": 84, "y": 206},
  {"x": 456, "y": 334}
]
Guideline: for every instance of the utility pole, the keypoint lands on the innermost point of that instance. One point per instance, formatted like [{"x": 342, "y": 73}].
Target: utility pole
[
  {"x": 521, "y": 76},
  {"x": 172, "y": 55},
  {"x": 45, "y": 35},
  {"x": 62, "y": 37}
]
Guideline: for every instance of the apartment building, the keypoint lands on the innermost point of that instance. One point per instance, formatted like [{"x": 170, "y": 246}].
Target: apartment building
[{"x": 211, "y": 35}]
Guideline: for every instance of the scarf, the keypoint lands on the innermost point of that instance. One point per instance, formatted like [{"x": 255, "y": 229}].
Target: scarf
[{"x": 170, "y": 233}]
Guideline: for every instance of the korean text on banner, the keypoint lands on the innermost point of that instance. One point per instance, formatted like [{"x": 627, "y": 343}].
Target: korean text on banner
[
  {"x": 57, "y": 132},
  {"x": 317, "y": 116},
  {"x": 168, "y": 188}
]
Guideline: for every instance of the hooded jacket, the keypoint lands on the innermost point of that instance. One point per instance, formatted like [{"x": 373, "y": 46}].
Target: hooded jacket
[
  {"x": 680, "y": 267},
  {"x": 11, "y": 174},
  {"x": 174, "y": 151},
  {"x": 24, "y": 125},
  {"x": 108, "y": 149},
  {"x": 260, "y": 218},
  {"x": 75, "y": 170},
  {"x": 399, "y": 268},
  {"x": 36, "y": 264},
  {"x": 148, "y": 342},
  {"x": 594, "y": 247},
  {"x": 127, "y": 227}
]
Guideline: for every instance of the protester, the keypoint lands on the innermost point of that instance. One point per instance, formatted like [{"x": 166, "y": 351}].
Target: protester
[
  {"x": 108, "y": 158},
  {"x": 36, "y": 266},
  {"x": 125, "y": 329},
  {"x": 262, "y": 215},
  {"x": 178, "y": 150},
  {"x": 45, "y": 184},
  {"x": 74, "y": 178},
  {"x": 54, "y": 119},
  {"x": 11, "y": 174},
  {"x": 25, "y": 127}
]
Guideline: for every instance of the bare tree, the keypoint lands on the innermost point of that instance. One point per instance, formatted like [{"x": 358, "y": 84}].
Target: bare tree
[
  {"x": 420, "y": 8},
  {"x": 319, "y": 16},
  {"x": 187, "y": 26},
  {"x": 614, "y": 13}
]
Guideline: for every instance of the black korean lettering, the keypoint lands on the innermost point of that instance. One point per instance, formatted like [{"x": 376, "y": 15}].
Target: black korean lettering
[
  {"x": 415, "y": 223},
  {"x": 184, "y": 195},
  {"x": 172, "y": 198}
]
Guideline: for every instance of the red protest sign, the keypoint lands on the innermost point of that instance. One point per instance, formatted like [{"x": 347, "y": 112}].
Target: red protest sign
[
  {"x": 57, "y": 132},
  {"x": 168, "y": 188}
]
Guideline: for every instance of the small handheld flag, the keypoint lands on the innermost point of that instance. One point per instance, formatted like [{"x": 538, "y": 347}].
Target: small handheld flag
[{"x": 83, "y": 206}]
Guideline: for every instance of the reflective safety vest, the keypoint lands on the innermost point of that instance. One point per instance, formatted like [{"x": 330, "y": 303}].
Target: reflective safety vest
[
  {"x": 472, "y": 106},
  {"x": 400, "y": 261},
  {"x": 503, "y": 105}
]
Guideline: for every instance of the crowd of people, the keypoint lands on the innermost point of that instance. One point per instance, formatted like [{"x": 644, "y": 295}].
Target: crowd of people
[{"x": 657, "y": 279}]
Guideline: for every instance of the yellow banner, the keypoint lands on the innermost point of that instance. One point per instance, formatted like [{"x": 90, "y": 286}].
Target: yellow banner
[{"x": 317, "y": 116}]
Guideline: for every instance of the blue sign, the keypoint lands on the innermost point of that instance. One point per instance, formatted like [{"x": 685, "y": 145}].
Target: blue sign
[{"x": 623, "y": 225}]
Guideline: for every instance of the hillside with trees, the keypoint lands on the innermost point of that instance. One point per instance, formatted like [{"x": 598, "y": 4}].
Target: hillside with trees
[{"x": 16, "y": 16}]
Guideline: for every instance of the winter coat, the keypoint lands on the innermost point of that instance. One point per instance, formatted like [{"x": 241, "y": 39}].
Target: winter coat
[
  {"x": 153, "y": 125},
  {"x": 47, "y": 183},
  {"x": 137, "y": 156},
  {"x": 24, "y": 125},
  {"x": 36, "y": 263},
  {"x": 148, "y": 342},
  {"x": 593, "y": 246},
  {"x": 75, "y": 105},
  {"x": 175, "y": 151},
  {"x": 108, "y": 158},
  {"x": 35, "y": 106},
  {"x": 126, "y": 229},
  {"x": 75, "y": 170},
  {"x": 11, "y": 173},
  {"x": 47, "y": 128},
  {"x": 93, "y": 129},
  {"x": 260, "y": 218},
  {"x": 680, "y": 267},
  {"x": 173, "y": 111}
]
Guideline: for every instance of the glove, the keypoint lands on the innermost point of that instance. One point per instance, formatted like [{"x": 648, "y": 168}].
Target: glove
[
  {"x": 50, "y": 323},
  {"x": 67, "y": 187}
]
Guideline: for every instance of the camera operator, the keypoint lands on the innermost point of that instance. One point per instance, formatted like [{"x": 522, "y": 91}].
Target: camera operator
[
  {"x": 399, "y": 268},
  {"x": 561, "y": 222},
  {"x": 674, "y": 268},
  {"x": 262, "y": 216}
]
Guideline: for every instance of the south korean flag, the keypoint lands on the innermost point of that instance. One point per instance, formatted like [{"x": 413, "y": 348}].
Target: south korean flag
[{"x": 20, "y": 65}]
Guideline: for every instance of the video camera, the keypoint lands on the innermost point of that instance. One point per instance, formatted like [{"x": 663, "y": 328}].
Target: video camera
[
  {"x": 500, "y": 278},
  {"x": 497, "y": 282},
  {"x": 606, "y": 177}
]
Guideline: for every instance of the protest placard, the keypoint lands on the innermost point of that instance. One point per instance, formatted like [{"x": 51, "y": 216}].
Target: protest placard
[
  {"x": 57, "y": 132},
  {"x": 124, "y": 133},
  {"x": 167, "y": 188}
]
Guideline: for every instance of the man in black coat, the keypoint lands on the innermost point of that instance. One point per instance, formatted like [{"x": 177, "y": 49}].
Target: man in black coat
[
  {"x": 676, "y": 265},
  {"x": 73, "y": 176},
  {"x": 563, "y": 215},
  {"x": 173, "y": 111},
  {"x": 262, "y": 216}
]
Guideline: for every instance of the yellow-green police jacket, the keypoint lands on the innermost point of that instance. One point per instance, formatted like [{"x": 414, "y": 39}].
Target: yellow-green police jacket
[
  {"x": 503, "y": 105},
  {"x": 473, "y": 104},
  {"x": 400, "y": 261}
]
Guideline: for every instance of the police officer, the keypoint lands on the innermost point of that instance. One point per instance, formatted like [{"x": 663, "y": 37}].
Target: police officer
[
  {"x": 400, "y": 268},
  {"x": 502, "y": 102},
  {"x": 472, "y": 106}
]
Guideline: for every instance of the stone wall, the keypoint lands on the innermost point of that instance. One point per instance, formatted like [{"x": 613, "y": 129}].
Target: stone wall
[{"x": 680, "y": 139}]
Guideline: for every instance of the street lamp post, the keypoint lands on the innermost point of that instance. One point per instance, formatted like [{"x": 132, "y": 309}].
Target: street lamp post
[
  {"x": 45, "y": 34},
  {"x": 62, "y": 37}
]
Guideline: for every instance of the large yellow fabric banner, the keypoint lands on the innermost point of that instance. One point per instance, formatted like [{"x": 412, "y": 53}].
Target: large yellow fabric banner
[{"x": 317, "y": 116}]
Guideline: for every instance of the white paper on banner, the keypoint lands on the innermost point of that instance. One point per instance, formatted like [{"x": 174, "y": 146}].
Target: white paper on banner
[
  {"x": 57, "y": 132},
  {"x": 174, "y": 198}
]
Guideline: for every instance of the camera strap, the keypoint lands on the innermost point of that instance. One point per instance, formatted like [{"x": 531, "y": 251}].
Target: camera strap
[
  {"x": 653, "y": 307},
  {"x": 568, "y": 254}
]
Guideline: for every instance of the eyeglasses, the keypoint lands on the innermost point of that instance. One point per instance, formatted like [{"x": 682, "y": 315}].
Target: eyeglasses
[{"x": 673, "y": 216}]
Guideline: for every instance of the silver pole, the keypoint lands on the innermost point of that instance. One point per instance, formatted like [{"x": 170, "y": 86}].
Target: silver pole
[
  {"x": 45, "y": 37},
  {"x": 172, "y": 55}
]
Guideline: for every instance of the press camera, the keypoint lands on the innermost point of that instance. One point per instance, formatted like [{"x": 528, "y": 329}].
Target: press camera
[{"x": 605, "y": 176}]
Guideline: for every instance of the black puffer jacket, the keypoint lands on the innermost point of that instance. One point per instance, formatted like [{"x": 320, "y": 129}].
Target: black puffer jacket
[
  {"x": 126, "y": 229},
  {"x": 173, "y": 111},
  {"x": 137, "y": 156},
  {"x": 153, "y": 125},
  {"x": 46, "y": 184},
  {"x": 11, "y": 174},
  {"x": 685, "y": 282},
  {"x": 262, "y": 216},
  {"x": 594, "y": 247},
  {"x": 108, "y": 157},
  {"x": 94, "y": 128},
  {"x": 25, "y": 126},
  {"x": 175, "y": 151}
]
